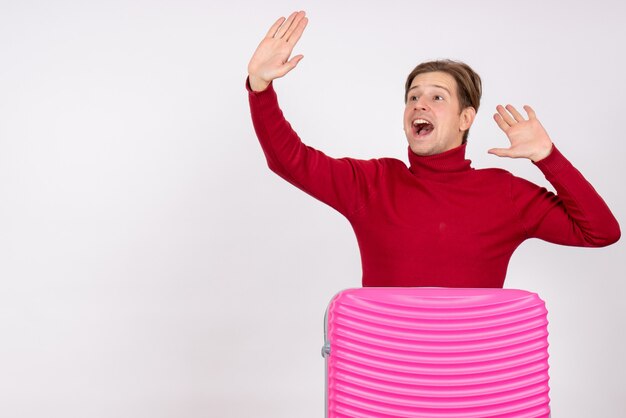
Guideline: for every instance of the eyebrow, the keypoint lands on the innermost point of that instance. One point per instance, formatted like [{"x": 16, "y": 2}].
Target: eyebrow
[{"x": 432, "y": 85}]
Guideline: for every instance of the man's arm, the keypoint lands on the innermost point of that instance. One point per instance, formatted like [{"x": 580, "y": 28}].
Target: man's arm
[
  {"x": 344, "y": 184},
  {"x": 576, "y": 215}
]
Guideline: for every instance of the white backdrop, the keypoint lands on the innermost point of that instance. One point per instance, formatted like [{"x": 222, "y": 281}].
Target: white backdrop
[{"x": 152, "y": 266}]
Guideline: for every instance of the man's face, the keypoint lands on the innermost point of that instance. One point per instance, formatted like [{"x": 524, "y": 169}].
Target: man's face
[{"x": 433, "y": 120}]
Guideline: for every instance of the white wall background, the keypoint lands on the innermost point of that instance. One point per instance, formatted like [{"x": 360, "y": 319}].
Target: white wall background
[{"x": 152, "y": 266}]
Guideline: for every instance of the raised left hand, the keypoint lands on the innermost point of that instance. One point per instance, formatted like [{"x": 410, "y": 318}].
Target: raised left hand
[
  {"x": 271, "y": 58},
  {"x": 528, "y": 137}
]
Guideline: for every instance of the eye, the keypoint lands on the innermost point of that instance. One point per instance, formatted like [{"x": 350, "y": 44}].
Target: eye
[
  {"x": 413, "y": 98},
  {"x": 438, "y": 98}
]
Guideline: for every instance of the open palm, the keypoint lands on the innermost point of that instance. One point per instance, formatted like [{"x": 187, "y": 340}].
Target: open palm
[
  {"x": 528, "y": 137},
  {"x": 271, "y": 58}
]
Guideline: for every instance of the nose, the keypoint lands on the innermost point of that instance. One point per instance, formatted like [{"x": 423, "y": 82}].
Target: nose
[{"x": 420, "y": 104}]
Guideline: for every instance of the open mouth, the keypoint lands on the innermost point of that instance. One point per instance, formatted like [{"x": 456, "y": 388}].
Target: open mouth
[{"x": 422, "y": 127}]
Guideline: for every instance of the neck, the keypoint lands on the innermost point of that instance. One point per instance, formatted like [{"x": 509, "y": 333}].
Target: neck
[{"x": 447, "y": 162}]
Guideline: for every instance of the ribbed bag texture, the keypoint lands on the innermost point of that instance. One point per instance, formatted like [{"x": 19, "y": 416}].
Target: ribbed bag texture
[{"x": 436, "y": 352}]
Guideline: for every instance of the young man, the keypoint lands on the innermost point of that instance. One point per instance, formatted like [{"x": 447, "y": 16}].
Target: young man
[{"x": 439, "y": 222}]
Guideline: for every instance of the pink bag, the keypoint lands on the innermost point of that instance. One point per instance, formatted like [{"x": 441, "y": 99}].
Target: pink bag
[{"x": 436, "y": 352}]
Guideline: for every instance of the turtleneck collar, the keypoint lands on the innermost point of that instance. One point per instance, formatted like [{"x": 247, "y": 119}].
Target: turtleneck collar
[{"x": 448, "y": 162}]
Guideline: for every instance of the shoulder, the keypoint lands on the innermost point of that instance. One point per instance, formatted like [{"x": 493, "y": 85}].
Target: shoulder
[
  {"x": 393, "y": 166},
  {"x": 392, "y": 162},
  {"x": 496, "y": 172},
  {"x": 504, "y": 178},
  {"x": 493, "y": 174},
  {"x": 385, "y": 163},
  {"x": 378, "y": 170}
]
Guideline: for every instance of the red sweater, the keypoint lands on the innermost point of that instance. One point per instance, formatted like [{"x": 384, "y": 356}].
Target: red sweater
[{"x": 439, "y": 222}]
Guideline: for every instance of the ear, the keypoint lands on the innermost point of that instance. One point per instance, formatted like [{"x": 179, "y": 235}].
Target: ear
[{"x": 467, "y": 118}]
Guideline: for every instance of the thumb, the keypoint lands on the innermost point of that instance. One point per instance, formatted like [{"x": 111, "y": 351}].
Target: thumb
[
  {"x": 500, "y": 152},
  {"x": 288, "y": 66},
  {"x": 291, "y": 64}
]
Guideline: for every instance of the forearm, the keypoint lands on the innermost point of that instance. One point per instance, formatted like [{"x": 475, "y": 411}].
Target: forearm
[
  {"x": 340, "y": 183},
  {"x": 281, "y": 145},
  {"x": 579, "y": 216}
]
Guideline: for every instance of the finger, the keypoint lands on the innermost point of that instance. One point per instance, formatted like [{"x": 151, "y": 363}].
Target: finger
[
  {"x": 295, "y": 36},
  {"x": 283, "y": 29},
  {"x": 289, "y": 65},
  {"x": 505, "y": 115},
  {"x": 500, "y": 152},
  {"x": 531, "y": 113},
  {"x": 517, "y": 115},
  {"x": 501, "y": 123},
  {"x": 294, "y": 61},
  {"x": 294, "y": 25},
  {"x": 274, "y": 28}
]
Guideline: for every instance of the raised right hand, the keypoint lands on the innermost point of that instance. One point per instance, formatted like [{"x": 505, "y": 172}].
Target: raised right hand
[
  {"x": 271, "y": 58},
  {"x": 528, "y": 137}
]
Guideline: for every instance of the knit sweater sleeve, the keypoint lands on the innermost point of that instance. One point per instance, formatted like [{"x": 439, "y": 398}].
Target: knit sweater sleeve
[
  {"x": 344, "y": 184},
  {"x": 575, "y": 216}
]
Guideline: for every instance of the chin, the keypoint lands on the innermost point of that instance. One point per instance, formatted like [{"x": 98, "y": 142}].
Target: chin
[{"x": 422, "y": 150}]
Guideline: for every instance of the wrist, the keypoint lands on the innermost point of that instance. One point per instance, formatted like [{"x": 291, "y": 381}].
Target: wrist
[
  {"x": 257, "y": 84},
  {"x": 543, "y": 154}
]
